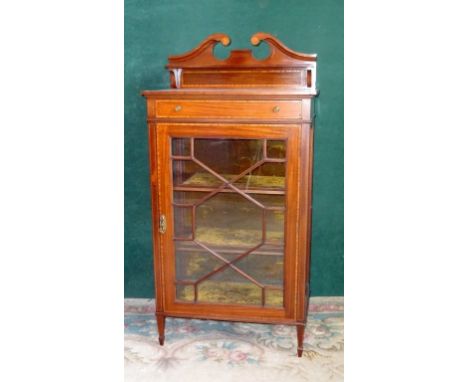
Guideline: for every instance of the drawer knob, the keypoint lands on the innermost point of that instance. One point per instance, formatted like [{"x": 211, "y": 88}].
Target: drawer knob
[
  {"x": 178, "y": 108},
  {"x": 276, "y": 109}
]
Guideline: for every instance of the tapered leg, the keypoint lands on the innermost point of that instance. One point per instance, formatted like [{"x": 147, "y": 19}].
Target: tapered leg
[
  {"x": 300, "y": 339},
  {"x": 161, "y": 325}
]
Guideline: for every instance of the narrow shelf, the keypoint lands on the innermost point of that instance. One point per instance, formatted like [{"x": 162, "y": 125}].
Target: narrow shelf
[
  {"x": 251, "y": 181},
  {"x": 229, "y": 190},
  {"x": 249, "y": 184},
  {"x": 268, "y": 249}
]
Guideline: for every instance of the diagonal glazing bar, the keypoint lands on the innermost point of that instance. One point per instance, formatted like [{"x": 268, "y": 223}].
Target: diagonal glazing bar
[
  {"x": 233, "y": 180},
  {"x": 223, "y": 186},
  {"x": 247, "y": 196},
  {"x": 215, "y": 254},
  {"x": 240, "y": 271},
  {"x": 224, "y": 266},
  {"x": 223, "y": 179},
  {"x": 230, "y": 250}
]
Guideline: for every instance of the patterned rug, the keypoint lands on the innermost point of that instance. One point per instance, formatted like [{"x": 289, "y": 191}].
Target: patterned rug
[{"x": 216, "y": 351}]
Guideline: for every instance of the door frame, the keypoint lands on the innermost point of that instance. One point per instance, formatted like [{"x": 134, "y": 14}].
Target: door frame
[{"x": 165, "y": 275}]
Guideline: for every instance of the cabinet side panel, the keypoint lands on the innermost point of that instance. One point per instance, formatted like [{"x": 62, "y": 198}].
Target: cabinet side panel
[
  {"x": 293, "y": 213},
  {"x": 308, "y": 112},
  {"x": 303, "y": 224},
  {"x": 309, "y": 214}
]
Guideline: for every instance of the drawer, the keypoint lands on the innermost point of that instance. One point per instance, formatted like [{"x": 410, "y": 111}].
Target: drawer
[{"x": 228, "y": 109}]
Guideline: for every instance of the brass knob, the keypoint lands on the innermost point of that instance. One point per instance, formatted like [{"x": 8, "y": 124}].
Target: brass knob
[
  {"x": 178, "y": 108},
  {"x": 276, "y": 109}
]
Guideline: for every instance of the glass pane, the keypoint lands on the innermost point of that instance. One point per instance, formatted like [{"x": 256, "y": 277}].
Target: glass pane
[
  {"x": 267, "y": 176},
  {"x": 265, "y": 265},
  {"x": 228, "y": 157},
  {"x": 275, "y": 227},
  {"x": 228, "y": 219},
  {"x": 271, "y": 200},
  {"x": 181, "y": 147},
  {"x": 187, "y": 197},
  {"x": 276, "y": 149},
  {"x": 229, "y": 287},
  {"x": 187, "y": 173},
  {"x": 193, "y": 262},
  {"x": 183, "y": 222},
  {"x": 185, "y": 293},
  {"x": 274, "y": 297}
]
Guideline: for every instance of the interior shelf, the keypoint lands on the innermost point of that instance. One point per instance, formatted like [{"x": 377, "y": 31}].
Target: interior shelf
[
  {"x": 259, "y": 184},
  {"x": 268, "y": 249}
]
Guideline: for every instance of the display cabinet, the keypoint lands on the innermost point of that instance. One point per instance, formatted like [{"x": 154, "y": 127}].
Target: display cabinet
[{"x": 231, "y": 149}]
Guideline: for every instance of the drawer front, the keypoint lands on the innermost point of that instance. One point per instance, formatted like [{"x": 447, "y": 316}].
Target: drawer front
[{"x": 228, "y": 109}]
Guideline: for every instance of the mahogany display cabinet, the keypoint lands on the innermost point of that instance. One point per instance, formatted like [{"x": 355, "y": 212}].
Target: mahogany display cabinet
[{"x": 231, "y": 152}]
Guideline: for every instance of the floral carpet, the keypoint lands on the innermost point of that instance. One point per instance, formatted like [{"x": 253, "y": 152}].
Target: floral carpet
[{"x": 216, "y": 351}]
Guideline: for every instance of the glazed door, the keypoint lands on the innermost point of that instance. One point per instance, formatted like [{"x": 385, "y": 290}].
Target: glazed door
[{"x": 228, "y": 212}]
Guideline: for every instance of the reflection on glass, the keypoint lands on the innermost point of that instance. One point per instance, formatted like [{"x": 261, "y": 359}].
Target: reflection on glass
[
  {"x": 193, "y": 262},
  {"x": 267, "y": 176},
  {"x": 229, "y": 219},
  {"x": 229, "y": 287},
  {"x": 183, "y": 222},
  {"x": 271, "y": 200},
  {"x": 275, "y": 227},
  {"x": 181, "y": 147},
  {"x": 228, "y": 156},
  {"x": 274, "y": 297},
  {"x": 264, "y": 265},
  {"x": 185, "y": 293},
  {"x": 188, "y": 173},
  {"x": 276, "y": 149}
]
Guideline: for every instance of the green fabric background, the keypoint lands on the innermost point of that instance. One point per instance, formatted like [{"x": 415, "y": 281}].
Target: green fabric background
[{"x": 155, "y": 29}]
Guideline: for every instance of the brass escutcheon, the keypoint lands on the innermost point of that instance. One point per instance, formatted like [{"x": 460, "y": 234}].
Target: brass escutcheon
[{"x": 162, "y": 224}]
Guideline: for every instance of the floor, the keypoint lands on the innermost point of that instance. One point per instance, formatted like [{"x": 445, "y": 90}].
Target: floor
[{"x": 202, "y": 350}]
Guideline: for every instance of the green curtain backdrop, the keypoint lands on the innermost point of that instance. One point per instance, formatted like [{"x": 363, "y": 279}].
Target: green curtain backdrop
[{"x": 155, "y": 29}]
